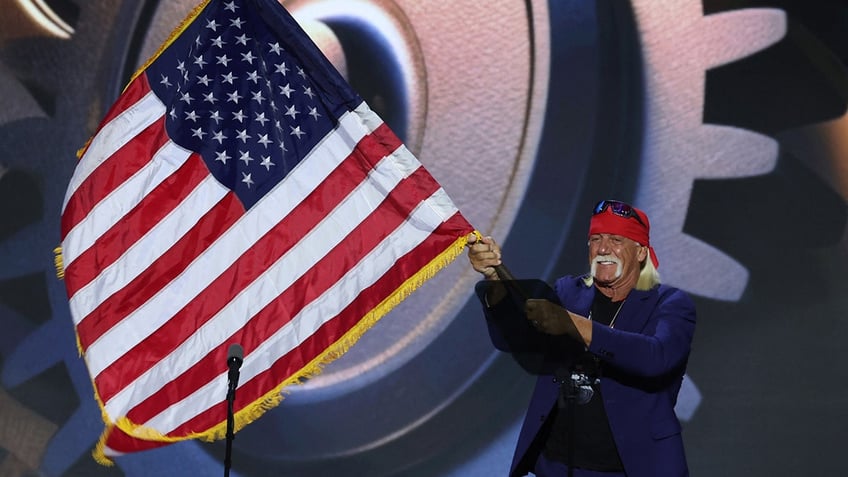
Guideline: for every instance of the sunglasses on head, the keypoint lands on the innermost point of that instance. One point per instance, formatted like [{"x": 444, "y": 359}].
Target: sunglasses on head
[{"x": 618, "y": 208}]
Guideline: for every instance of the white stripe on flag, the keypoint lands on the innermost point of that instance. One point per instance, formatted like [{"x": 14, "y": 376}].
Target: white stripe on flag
[
  {"x": 114, "y": 135},
  {"x": 122, "y": 200},
  {"x": 148, "y": 248}
]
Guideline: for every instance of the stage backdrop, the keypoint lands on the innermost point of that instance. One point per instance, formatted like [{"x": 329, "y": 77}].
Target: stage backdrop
[{"x": 723, "y": 119}]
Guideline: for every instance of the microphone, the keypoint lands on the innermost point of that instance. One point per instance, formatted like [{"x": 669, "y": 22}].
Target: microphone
[{"x": 235, "y": 356}]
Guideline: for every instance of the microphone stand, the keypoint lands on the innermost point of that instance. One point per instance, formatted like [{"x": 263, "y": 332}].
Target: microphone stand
[
  {"x": 231, "y": 397},
  {"x": 234, "y": 360}
]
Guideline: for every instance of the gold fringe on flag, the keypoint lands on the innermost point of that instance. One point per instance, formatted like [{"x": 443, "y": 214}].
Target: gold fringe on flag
[
  {"x": 99, "y": 452},
  {"x": 59, "y": 262}
]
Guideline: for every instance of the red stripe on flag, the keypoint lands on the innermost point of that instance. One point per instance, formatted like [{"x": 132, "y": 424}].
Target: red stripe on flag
[
  {"x": 136, "y": 90},
  {"x": 119, "y": 441},
  {"x": 115, "y": 308},
  {"x": 114, "y": 171},
  {"x": 136, "y": 223}
]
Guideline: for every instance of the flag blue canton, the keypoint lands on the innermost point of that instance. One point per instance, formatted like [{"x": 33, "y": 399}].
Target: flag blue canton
[{"x": 240, "y": 97}]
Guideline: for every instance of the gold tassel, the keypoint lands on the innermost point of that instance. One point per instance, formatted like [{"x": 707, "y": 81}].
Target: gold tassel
[
  {"x": 99, "y": 453},
  {"x": 59, "y": 263}
]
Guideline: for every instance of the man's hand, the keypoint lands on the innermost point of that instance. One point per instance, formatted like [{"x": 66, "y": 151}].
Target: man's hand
[
  {"x": 484, "y": 255},
  {"x": 553, "y": 319}
]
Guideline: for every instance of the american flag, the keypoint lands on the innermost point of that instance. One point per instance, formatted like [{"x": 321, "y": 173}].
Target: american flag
[{"x": 238, "y": 191}]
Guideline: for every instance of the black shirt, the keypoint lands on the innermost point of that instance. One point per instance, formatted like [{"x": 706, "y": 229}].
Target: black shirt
[{"x": 593, "y": 444}]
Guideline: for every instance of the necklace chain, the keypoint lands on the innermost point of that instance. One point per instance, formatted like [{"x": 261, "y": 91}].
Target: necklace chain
[{"x": 612, "y": 322}]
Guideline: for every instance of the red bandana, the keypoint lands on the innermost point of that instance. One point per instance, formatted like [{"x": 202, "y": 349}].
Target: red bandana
[{"x": 607, "y": 222}]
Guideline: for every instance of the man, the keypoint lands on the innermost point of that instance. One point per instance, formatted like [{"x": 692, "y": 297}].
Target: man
[{"x": 610, "y": 355}]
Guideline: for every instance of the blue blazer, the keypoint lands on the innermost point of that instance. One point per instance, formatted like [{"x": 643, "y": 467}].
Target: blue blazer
[{"x": 645, "y": 357}]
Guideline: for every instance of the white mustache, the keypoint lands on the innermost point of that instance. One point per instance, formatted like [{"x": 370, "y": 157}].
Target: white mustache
[{"x": 606, "y": 258}]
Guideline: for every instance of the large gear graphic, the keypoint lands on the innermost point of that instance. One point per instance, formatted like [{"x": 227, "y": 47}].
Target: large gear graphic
[
  {"x": 642, "y": 100},
  {"x": 795, "y": 92}
]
